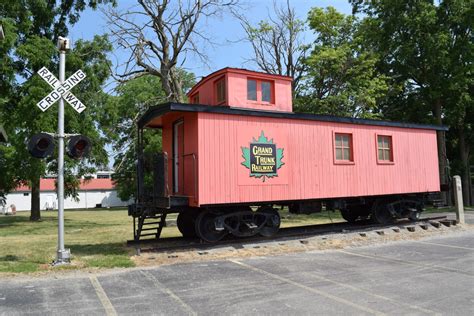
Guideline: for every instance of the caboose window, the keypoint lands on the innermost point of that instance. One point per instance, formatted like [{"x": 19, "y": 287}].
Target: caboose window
[
  {"x": 220, "y": 90},
  {"x": 343, "y": 147},
  {"x": 252, "y": 90},
  {"x": 384, "y": 148},
  {"x": 260, "y": 91},
  {"x": 266, "y": 91},
  {"x": 195, "y": 98}
]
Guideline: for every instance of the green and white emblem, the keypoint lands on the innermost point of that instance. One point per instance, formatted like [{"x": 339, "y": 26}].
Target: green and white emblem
[{"x": 262, "y": 158}]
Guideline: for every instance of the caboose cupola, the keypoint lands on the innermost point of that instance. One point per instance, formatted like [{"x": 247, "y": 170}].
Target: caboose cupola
[{"x": 240, "y": 88}]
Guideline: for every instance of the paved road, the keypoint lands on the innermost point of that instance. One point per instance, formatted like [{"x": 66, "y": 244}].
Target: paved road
[{"x": 432, "y": 276}]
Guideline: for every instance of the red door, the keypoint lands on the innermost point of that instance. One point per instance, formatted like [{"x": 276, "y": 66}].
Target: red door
[{"x": 178, "y": 159}]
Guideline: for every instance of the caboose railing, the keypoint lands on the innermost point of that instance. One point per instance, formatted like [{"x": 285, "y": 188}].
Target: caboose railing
[{"x": 152, "y": 177}]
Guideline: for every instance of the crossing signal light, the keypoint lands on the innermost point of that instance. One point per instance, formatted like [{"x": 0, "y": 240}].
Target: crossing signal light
[
  {"x": 41, "y": 145},
  {"x": 78, "y": 147}
]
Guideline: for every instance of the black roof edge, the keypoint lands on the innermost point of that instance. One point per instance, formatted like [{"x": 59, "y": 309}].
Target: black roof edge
[
  {"x": 152, "y": 113},
  {"x": 184, "y": 107}
]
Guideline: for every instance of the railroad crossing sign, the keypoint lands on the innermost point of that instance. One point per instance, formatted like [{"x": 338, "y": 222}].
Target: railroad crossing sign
[{"x": 61, "y": 90}]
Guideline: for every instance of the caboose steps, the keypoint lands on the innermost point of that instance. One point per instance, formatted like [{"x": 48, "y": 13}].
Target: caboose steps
[
  {"x": 147, "y": 221},
  {"x": 149, "y": 225}
]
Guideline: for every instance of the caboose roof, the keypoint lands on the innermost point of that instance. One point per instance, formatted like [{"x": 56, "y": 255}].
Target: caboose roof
[{"x": 149, "y": 118}]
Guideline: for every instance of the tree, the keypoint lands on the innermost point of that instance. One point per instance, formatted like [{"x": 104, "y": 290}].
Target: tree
[
  {"x": 131, "y": 100},
  {"x": 167, "y": 31},
  {"x": 341, "y": 76},
  {"x": 426, "y": 48},
  {"x": 277, "y": 43},
  {"x": 8, "y": 180},
  {"x": 33, "y": 28}
]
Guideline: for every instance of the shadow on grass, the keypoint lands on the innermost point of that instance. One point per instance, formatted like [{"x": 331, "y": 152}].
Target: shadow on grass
[
  {"x": 12, "y": 220},
  {"x": 15, "y": 264},
  {"x": 119, "y": 209},
  {"x": 21, "y": 225},
  {"x": 98, "y": 249},
  {"x": 107, "y": 255},
  {"x": 9, "y": 258}
]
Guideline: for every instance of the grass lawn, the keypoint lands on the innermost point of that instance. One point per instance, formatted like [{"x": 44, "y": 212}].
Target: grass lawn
[{"x": 97, "y": 238}]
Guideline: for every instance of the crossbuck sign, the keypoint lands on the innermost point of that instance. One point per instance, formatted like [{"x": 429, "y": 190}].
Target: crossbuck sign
[{"x": 61, "y": 90}]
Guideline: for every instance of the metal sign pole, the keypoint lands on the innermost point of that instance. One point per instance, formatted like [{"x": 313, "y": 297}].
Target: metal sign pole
[
  {"x": 63, "y": 255},
  {"x": 60, "y": 93}
]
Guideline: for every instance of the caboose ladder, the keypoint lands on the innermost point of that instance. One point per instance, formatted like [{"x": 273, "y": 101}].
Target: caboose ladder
[{"x": 148, "y": 225}]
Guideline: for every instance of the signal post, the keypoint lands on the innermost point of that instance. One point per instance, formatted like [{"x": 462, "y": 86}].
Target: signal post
[
  {"x": 63, "y": 255},
  {"x": 41, "y": 145}
]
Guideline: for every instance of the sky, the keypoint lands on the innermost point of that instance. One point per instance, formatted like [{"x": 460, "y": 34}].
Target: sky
[{"x": 230, "y": 51}]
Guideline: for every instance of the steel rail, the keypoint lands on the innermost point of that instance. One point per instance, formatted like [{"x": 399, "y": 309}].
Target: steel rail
[{"x": 289, "y": 233}]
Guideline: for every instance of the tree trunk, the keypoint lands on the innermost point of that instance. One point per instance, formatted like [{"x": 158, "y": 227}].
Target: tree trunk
[
  {"x": 35, "y": 200},
  {"x": 464, "y": 154},
  {"x": 442, "y": 159}
]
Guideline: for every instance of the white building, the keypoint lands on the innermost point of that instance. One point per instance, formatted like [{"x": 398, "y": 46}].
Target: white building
[{"x": 93, "y": 193}]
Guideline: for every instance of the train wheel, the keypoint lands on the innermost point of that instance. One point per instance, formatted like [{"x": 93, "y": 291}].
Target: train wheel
[
  {"x": 350, "y": 215},
  {"x": 415, "y": 215},
  {"x": 186, "y": 223},
  {"x": 381, "y": 214},
  {"x": 273, "y": 221},
  {"x": 206, "y": 228}
]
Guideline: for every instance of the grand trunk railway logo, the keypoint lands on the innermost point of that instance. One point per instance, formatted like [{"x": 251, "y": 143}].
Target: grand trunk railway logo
[{"x": 262, "y": 158}]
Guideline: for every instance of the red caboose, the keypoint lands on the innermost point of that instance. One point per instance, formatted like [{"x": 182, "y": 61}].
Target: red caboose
[{"x": 237, "y": 149}]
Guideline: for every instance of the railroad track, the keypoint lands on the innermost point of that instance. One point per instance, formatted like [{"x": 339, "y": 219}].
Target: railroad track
[{"x": 183, "y": 244}]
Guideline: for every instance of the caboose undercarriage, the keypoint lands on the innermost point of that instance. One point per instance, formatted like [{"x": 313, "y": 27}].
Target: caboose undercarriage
[{"x": 213, "y": 223}]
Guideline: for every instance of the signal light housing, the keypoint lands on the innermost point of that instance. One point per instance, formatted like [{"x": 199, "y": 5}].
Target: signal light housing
[
  {"x": 78, "y": 146},
  {"x": 41, "y": 145}
]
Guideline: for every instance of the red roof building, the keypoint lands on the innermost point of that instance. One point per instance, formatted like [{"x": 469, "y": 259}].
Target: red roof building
[{"x": 48, "y": 185}]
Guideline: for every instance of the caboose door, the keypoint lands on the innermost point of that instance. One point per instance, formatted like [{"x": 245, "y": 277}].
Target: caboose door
[{"x": 178, "y": 159}]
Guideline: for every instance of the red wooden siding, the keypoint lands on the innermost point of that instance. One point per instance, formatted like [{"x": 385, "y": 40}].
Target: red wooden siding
[
  {"x": 236, "y": 90},
  {"x": 206, "y": 89},
  {"x": 281, "y": 91},
  {"x": 309, "y": 169}
]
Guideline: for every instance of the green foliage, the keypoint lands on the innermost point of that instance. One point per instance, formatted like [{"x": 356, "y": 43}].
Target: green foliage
[
  {"x": 341, "y": 75},
  {"x": 426, "y": 49},
  {"x": 26, "y": 119},
  {"x": 8, "y": 179},
  {"x": 31, "y": 28},
  {"x": 118, "y": 120}
]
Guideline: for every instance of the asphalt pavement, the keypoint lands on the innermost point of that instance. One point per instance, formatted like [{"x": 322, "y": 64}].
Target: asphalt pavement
[{"x": 430, "y": 276}]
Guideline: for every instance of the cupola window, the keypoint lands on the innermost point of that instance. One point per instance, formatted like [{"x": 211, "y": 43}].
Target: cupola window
[
  {"x": 252, "y": 90},
  {"x": 260, "y": 91},
  {"x": 220, "y": 90}
]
